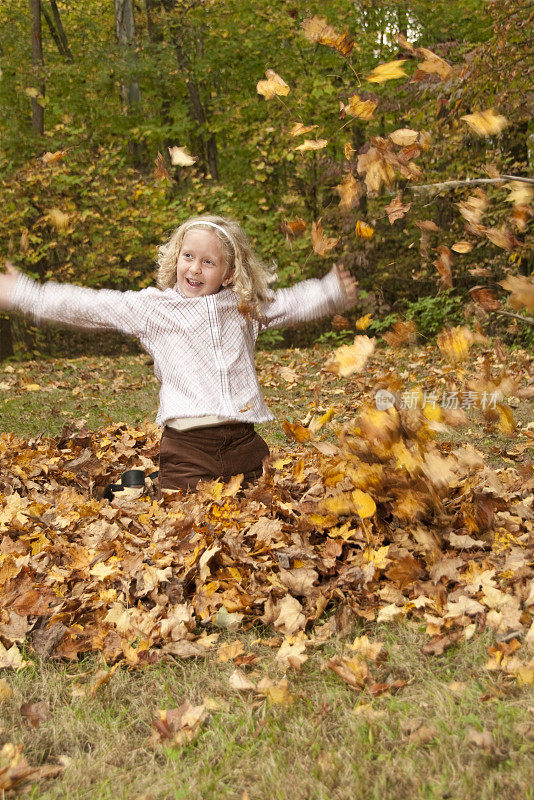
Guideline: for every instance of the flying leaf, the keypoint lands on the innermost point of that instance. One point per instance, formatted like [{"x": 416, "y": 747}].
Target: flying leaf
[
  {"x": 387, "y": 72},
  {"x": 161, "y": 173},
  {"x": 363, "y": 230},
  {"x": 311, "y": 144},
  {"x": 404, "y": 137},
  {"x": 350, "y": 190},
  {"x": 502, "y": 237},
  {"x": 397, "y": 209},
  {"x": 180, "y": 157},
  {"x": 433, "y": 64},
  {"x": 462, "y": 247},
  {"x": 363, "y": 109},
  {"x": 486, "y": 123},
  {"x": 485, "y": 298},
  {"x": 293, "y": 228},
  {"x": 321, "y": 244},
  {"x": 520, "y": 193},
  {"x": 58, "y": 219},
  {"x": 455, "y": 343},
  {"x": 273, "y": 86},
  {"x": 352, "y": 358},
  {"x": 403, "y": 332},
  {"x": 53, "y": 158},
  {"x": 443, "y": 265},
  {"x": 521, "y": 290},
  {"x": 294, "y": 430},
  {"x": 317, "y": 30},
  {"x": 363, "y": 322},
  {"x": 348, "y": 150},
  {"x": 298, "y": 129}
]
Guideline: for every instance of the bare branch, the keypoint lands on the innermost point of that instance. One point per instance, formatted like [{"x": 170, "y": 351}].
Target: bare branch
[{"x": 469, "y": 182}]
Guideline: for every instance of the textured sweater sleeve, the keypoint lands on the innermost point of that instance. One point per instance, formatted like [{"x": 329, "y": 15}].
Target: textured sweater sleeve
[
  {"x": 79, "y": 307},
  {"x": 304, "y": 302}
]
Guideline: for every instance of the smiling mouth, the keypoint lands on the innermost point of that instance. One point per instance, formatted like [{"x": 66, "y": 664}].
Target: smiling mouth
[{"x": 193, "y": 284}]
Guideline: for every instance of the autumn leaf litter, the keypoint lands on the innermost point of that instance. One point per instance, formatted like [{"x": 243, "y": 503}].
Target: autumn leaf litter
[{"x": 383, "y": 525}]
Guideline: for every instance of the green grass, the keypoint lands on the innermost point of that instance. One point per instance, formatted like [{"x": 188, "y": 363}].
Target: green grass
[{"x": 321, "y": 746}]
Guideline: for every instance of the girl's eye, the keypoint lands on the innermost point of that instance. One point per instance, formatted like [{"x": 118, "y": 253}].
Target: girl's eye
[{"x": 208, "y": 261}]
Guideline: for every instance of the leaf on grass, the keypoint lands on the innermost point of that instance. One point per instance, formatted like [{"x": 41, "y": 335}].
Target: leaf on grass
[
  {"x": 294, "y": 430},
  {"x": 276, "y": 693},
  {"x": 240, "y": 683},
  {"x": 273, "y": 86},
  {"x": 180, "y": 157},
  {"x": 486, "y": 123},
  {"x": 12, "y": 658},
  {"x": 366, "y": 648},
  {"x": 35, "y": 713},
  {"x": 353, "y": 670},
  {"x": 180, "y": 725},
  {"x": 387, "y": 72},
  {"x": 229, "y": 651},
  {"x": 292, "y": 653}
]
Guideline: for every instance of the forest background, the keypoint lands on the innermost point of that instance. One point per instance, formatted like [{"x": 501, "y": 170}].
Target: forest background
[{"x": 93, "y": 96}]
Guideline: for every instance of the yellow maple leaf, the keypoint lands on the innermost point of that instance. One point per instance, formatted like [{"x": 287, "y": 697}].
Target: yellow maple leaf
[
  {"x": 311, "y": 144},
  {"x": 363, "y": 322},
  {"x": 364, "y": 504},
  {"x": 317, "y": 30},
  {"x": 321, "y": 244},
  {"x": 404, "y": 137},
  {"x": 298, "y": 129},
  {"x": 349, "y": 191},
  {"x": 387, "y": 72},
  {"x": 364, "y": 230},
  {"x": 351, "y": 358},
  {"x": 486, "y": 123},
  {"x": 363, "y": 109},
  {"x": 273, "y": 86},
  {"x": 455, "y": 343}
]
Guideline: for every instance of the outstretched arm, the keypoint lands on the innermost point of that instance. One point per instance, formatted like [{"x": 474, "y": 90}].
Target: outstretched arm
[
  {"x": 75, "y": 306},
  {"x": 8, "y": 281},
  {"x": 310, "y": 300}
]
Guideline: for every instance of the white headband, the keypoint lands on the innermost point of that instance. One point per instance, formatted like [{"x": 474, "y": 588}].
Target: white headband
[{"x": 212, "y": 225}]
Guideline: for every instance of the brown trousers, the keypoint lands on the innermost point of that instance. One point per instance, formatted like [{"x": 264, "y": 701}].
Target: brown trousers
[{"x": 217, "y": 451}]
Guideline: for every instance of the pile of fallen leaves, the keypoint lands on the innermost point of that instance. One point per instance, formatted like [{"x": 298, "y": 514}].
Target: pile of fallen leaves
[{"x": 384, "y": 524}]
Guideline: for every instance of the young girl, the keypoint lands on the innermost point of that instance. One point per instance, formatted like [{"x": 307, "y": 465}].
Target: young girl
[{"x": 200, "y": 327}]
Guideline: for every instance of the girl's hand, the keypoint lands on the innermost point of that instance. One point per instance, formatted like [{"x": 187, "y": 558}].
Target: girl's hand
[
  {"x": 348, "y": 283},
  {"x": 8, "y": 280}
]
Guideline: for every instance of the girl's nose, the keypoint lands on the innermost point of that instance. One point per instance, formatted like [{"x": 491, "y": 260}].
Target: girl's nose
[{"x": 195, "y": 267}]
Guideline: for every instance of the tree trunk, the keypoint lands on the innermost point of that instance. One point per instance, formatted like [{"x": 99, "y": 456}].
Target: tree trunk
[
  {"x": 61, "y": 31},
  {"x": 57, "y": 31},
  {"x": 209, "y": 146},
  {"x": 6, "y": 338},
  {"x": 130, "y": 92},
  {"x": 37, "y": 64}
]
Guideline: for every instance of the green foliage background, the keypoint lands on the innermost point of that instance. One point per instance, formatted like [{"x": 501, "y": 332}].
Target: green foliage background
[{"x": 119, "y": 211}]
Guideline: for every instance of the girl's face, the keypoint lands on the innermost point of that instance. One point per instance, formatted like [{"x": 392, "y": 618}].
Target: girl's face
[{"x": 201, "y": 267}]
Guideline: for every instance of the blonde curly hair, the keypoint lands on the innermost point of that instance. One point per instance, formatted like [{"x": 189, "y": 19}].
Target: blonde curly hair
[{"x": 251, "y": 277}]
